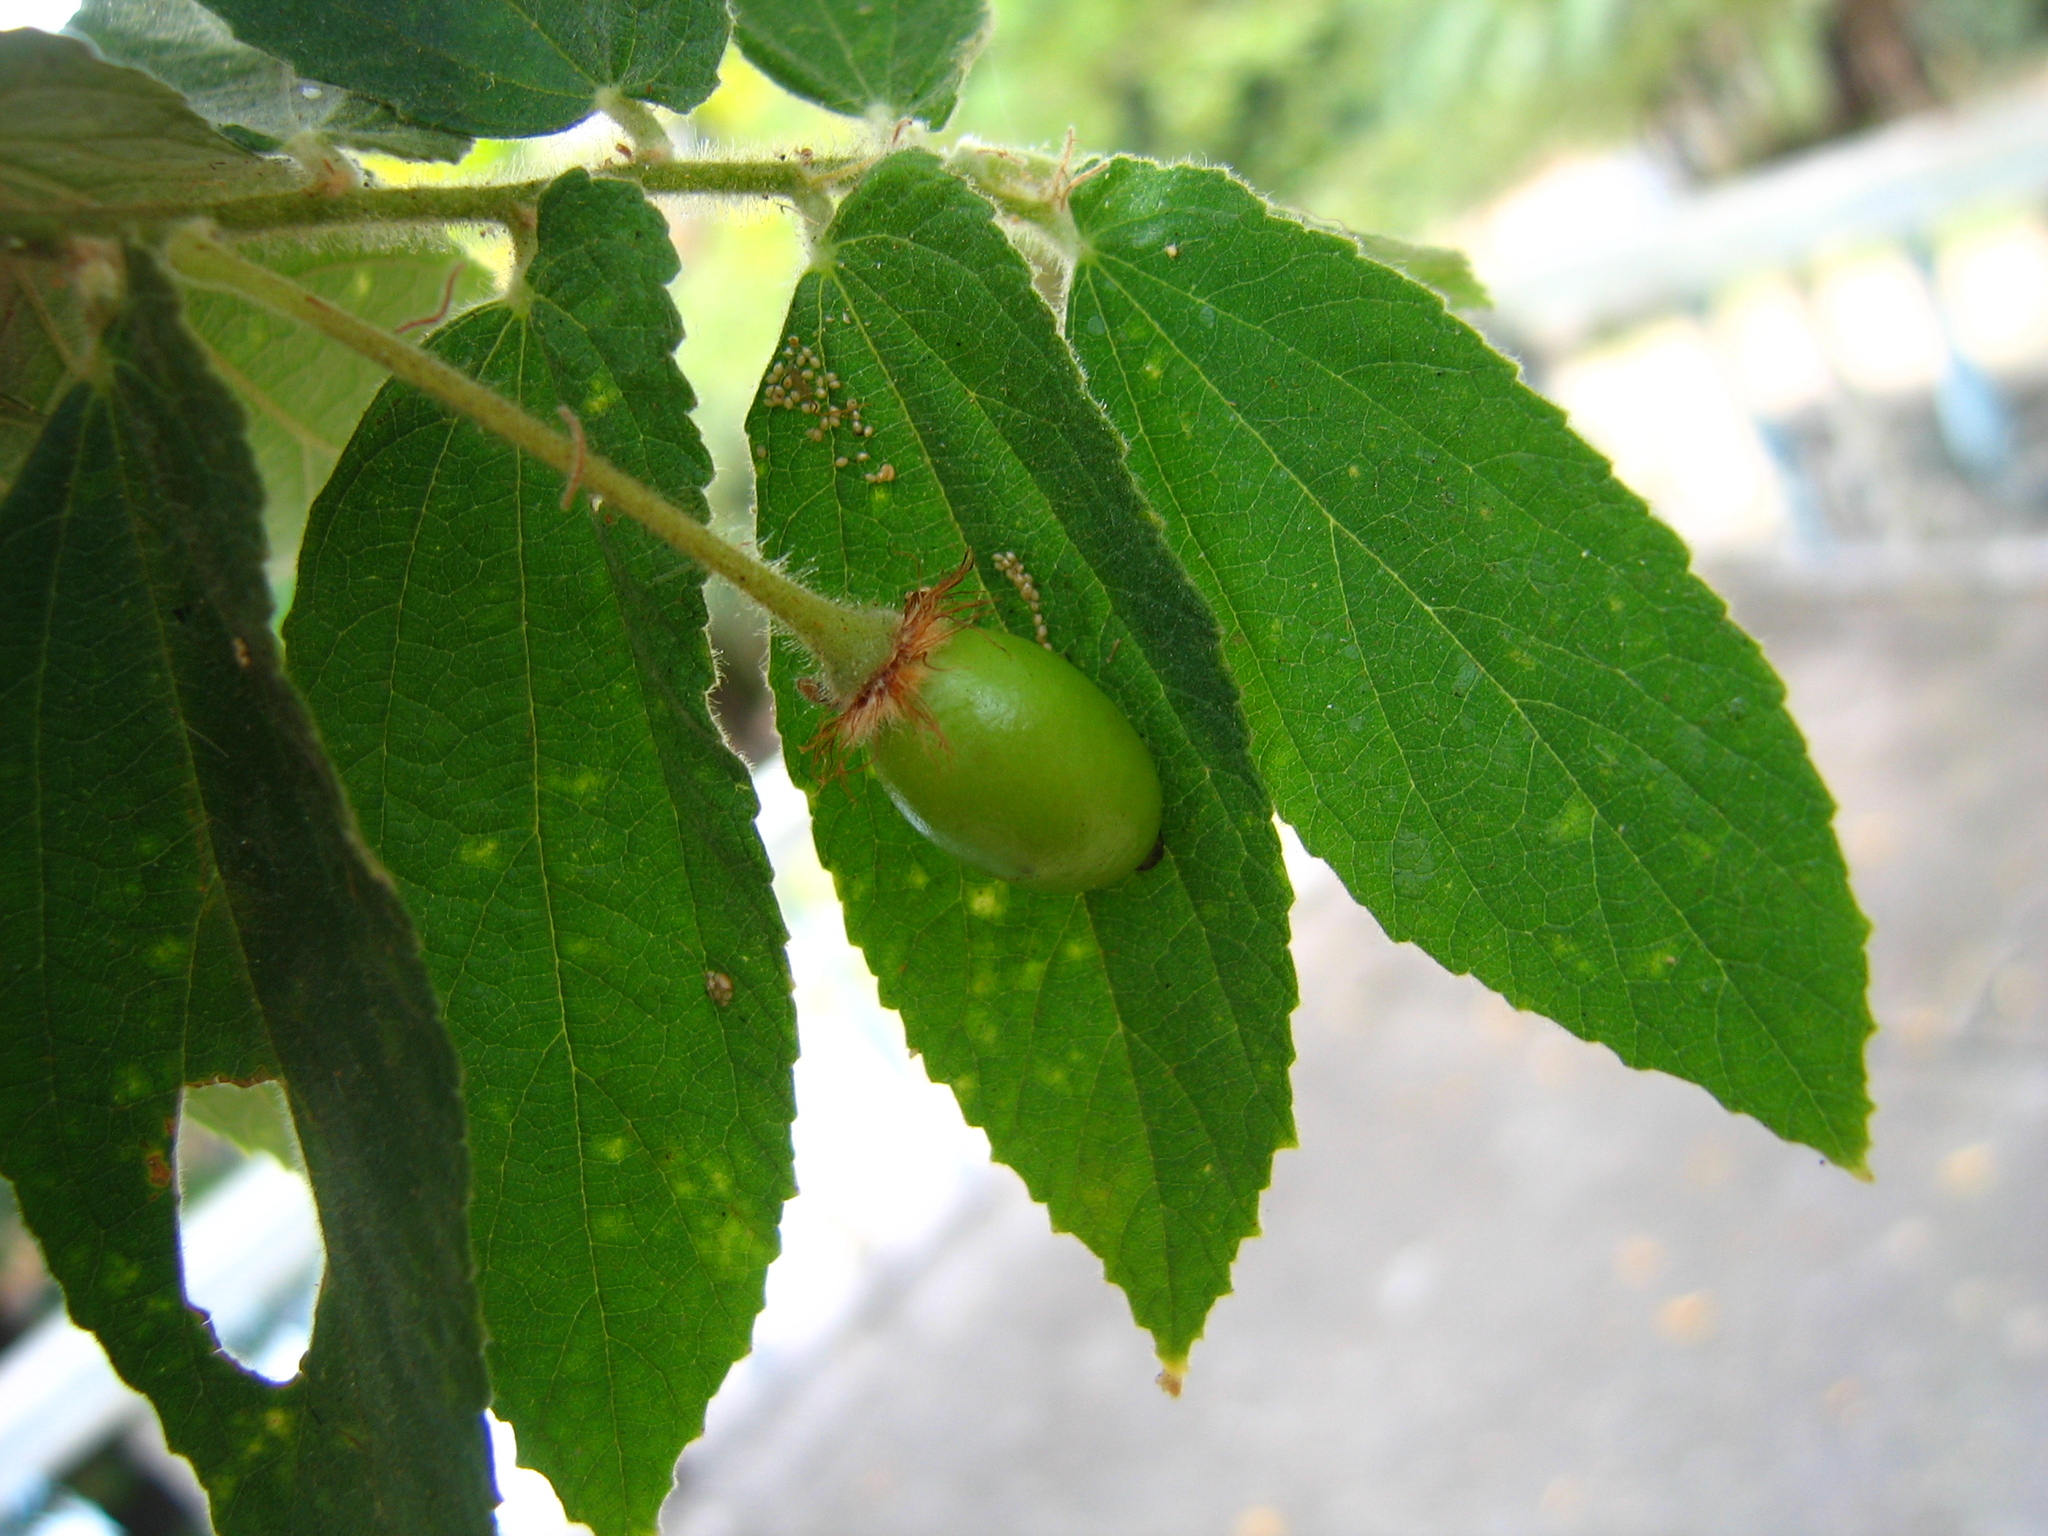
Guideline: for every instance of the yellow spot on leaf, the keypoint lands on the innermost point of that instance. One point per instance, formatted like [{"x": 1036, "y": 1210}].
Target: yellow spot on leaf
[{"x": 1573, "y": 822}]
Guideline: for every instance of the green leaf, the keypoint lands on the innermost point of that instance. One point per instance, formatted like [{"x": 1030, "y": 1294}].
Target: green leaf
[
  {"x": 256, "y": 1118},
  {"x": 1125, "y": 1050},
  {"x": 232, "y": 85},
  {"x": 183, "y": 900},
  {"x": 1434, "y": 266},
  {"x": 515, "y": 693},
  {"x": 76, "y": 132},
  {"x": 44, "y": 339},
  {"x": 495, "y": 68},
  {"x": 1481, "y": 681},
  {"x": 899, "y": 58},
  {"x": 304, "y": 394}
]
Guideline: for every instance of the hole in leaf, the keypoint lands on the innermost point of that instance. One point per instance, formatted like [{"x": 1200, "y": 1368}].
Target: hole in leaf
[{"x": 248, "y": 1234}]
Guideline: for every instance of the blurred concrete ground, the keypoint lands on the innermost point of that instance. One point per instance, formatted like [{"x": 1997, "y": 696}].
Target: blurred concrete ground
[{"x": 1508, "y": 1285}]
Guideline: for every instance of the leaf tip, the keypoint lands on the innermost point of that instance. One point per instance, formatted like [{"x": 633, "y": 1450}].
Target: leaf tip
[
  {"x": 1850, "y": 1150},
  {"x": 1173, "y": 1375}
]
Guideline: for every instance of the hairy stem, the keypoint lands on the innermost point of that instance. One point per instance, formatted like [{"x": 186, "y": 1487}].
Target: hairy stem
[
  {"x": 792, "y": 178},
  {"x": 850, "y": 643}
]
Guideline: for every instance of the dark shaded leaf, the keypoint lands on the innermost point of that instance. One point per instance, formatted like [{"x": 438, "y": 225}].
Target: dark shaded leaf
[
  {"x": 1126, "y": 1050},
  {"x": 900, "y": 58},
  {"x": 182, "y": 900},
  {"x": 1481, "y": 681},
  {"x": 495, "y": 68},
  {"x": 237, "y": 87},
  {"x": 515, "y": 694}
]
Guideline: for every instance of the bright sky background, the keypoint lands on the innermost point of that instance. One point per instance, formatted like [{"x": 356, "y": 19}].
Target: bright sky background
[{"x": 47, "y": 14}]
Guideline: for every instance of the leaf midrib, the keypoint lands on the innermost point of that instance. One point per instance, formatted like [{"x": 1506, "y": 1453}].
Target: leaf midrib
[
  {"x": 672, "y": 814},
  {"x": 838, "y": 275},
  {"x": 1729, "y": 982},
  {"x": 1434, "y": 610},
  {"x": 46, "y": 638},
  {"x": 616, "y": 1440}
]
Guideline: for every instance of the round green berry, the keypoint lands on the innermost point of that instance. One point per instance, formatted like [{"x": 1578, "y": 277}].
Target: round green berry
[{"x": 1023, "y": 768}]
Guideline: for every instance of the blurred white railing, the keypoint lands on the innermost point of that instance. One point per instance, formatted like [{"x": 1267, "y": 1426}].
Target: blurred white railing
[
  {"x": 1842, "y": 356},
  {"x": 884, "y": 1163},
  {"x": 252, "y": 1258}
]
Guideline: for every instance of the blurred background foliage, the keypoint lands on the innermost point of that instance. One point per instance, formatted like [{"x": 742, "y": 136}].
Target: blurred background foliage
[
  {"x": 1387, "y": 115},
  {"x": 1393, "y": 114}
]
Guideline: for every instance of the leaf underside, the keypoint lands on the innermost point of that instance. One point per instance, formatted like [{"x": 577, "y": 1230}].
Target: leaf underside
[
  {"x": 78, "y": 132},
  {"x": 1126, "y": 1050},
  {"x": 495, "y": 68},
  {"x": 256, "y": 1117},
  {"x": 1481, "y": 681},
  {"x": 183, "y": 900},
  {"x": 901, "y": 58},
  {"x": 1448, "y": 272},
  {"x": 515, "y": 694},
  {"x": 244, "y": 90},
  {"x": 303, "y": 394}
]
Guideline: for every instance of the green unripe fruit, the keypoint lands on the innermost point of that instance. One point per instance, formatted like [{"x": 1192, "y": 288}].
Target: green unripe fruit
[{"x": 1024, "y": 767}]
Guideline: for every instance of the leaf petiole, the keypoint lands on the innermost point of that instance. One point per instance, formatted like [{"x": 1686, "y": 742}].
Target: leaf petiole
[
  {"x": 851, "y": 643},
  {"x": 651, "y": 143}
]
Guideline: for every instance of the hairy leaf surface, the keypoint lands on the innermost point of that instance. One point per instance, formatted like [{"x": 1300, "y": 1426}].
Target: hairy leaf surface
[
  {"x": 183, "y": 900},
  {"x": 76, "y": 131},
  {"x": 515, "y": 694},
  {"x": 259, "y": 99},
  {"x": 1481, "y": 680},
  {"x": 495, "y": 68},
  {"x": 1126, "y": 1050},
  {"x": 903, "y": 58}
]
